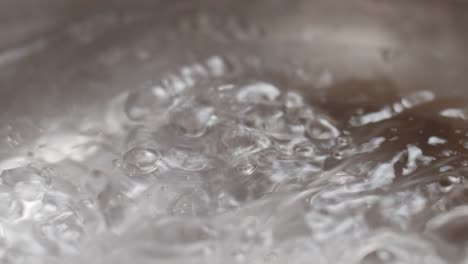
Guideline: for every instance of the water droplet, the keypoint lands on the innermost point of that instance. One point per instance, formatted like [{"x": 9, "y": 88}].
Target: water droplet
[
  {"x": 454, "y": 113},
  {"x": 141, "y": 160},
  {"x": 436, "y": 141},
  {"x": 217, "y": 66},
  {"x": 417, "y": 98}
]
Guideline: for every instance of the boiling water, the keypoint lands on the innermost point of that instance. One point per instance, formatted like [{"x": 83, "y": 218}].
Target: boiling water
[
  {"x": 210, "y": 164},
  {"x": 219, "y": 161}
]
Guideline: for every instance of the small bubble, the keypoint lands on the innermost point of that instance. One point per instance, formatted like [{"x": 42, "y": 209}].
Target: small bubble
[
  {"x": 239, "y": 257},
  {"x": 142, "y": 160},
  {"x": 447, "y": 183},
  {"x": 193, "y": 120},
  {"x": 448, "y": 153},
  {"x": 182, "y": 207},
  {"x": 258, "y": 92},
  {"x": 147, "y": 103},
  {"x": 436, "y": 141},
  {"x": 417, "y": 98},
  {"x": 325, "y": 80},
  {"x": 305, "y": 150},
  {"x": 446, "y": 168},
  {"x": 321, "y": 129},
  {"x": 246, "y": 166},
  {"x": 225, "y": 87},
  {"x": 13, "y": 140},
  {"x": 380, "y": 256},
  {"x": 217, "y": 66},
  {"x": 464, "y": 143},
  {"x": 338, "y": 155},
  {"x": 143, "y": 54},
  {"x": 208, "y": 251},
  {"x": 271, "y": 258},
  {"x": 343, "y": 141},
  {"x": 116, "y": 163},
  {"x": 294, "y": 100},
  {"x": 186, "y": 160},
  {"x": 265, "y": 117},
  {"x": 242, "y": 142},
  {"x": 192, "y": 203}
]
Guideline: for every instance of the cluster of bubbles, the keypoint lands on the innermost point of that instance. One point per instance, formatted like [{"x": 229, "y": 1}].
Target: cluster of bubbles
[{"x": 211, "y": 165}]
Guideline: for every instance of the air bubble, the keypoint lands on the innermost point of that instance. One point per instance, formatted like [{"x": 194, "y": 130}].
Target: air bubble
[
  {"x": 293, "y": 100},
  {"x": 380, "y": 256},
  {"x": 193, "y": 120},
  {"x": 447, "y": 183},
  {"x": 305, "y": 150},
  {"x": 243, "y": 142},
  {"x": 140, "y": 160},
  {"x": 258, "y": 92},
  {"x": 187, "y": 160},
  {"x": 148, "y": 103},
  {"x": 321, "y": 129},
  {"x": 193, "y": 203},
  {"x": 338, "y": 155},
  {"x": 246, "y": 166}
]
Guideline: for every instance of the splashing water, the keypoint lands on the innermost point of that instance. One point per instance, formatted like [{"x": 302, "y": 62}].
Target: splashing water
[{"x": 218, "y": 166}]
